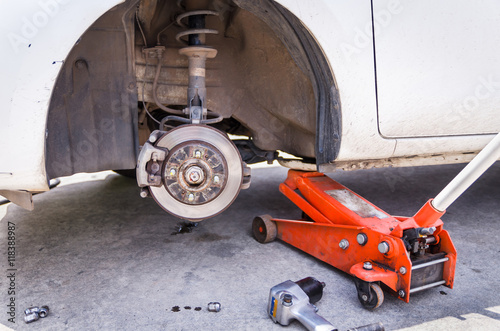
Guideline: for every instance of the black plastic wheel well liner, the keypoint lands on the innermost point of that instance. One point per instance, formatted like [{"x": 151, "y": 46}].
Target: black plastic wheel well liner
[{"x": 310, "y": 58}]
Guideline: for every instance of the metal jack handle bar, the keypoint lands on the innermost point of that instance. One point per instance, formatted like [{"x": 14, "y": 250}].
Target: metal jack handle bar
[
  {"x": 468, "y": 175},
  {"x": 436, "y": 207}
]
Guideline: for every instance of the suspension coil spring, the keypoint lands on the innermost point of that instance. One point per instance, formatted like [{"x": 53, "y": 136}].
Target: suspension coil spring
[
  {"x": 195, "y": 28},
  {"x": 193, "y": 20}
]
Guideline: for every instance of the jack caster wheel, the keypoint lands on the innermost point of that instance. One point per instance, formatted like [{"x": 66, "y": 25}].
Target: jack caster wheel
[
  {"x": 377, "y": 297},
  {"x": 264, "y": 230}
]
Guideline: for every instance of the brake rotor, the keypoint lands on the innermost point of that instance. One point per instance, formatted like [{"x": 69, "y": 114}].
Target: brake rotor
[{"x": 202, "y": 173}]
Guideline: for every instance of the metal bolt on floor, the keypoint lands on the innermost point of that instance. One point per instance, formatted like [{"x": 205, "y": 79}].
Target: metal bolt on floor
[
  {"x": 34, "y": 313},
  {"x": 214, "y": 307},
  {"x": 31, "y": 317}
]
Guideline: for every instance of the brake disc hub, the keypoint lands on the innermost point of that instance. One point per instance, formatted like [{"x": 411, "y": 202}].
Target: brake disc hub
[{"x": 193, "y": 171}]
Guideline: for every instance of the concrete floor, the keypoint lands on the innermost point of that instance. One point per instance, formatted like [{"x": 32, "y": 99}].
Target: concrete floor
[{"x": 103, "y": 258}]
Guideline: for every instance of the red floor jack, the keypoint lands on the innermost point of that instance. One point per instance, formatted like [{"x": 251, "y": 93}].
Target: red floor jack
[{"x": 404, "y": 254}]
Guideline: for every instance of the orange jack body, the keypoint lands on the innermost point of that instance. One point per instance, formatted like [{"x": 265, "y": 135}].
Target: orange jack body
[{"x": 405, "y": 254}]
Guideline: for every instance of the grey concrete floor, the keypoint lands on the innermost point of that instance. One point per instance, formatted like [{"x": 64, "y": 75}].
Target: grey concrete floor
[{"x": 104, "y": 259}]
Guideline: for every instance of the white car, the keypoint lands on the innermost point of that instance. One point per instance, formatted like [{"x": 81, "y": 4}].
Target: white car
[{"x": 157, "y": 85}]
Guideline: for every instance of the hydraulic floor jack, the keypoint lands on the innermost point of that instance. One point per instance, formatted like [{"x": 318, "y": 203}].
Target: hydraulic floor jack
[{"x": 403, "y": 254}]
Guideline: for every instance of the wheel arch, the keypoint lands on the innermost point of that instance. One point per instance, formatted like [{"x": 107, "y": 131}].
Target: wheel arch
[
  {"x": 32, "y": 61},
  {"x": 93, "y": 140},
  {"x": 92, "y": 118},
  {"x": 309, "y": 56}
]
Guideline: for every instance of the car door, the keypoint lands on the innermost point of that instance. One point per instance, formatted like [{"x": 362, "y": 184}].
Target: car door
[{"x": 437, "y": 67}]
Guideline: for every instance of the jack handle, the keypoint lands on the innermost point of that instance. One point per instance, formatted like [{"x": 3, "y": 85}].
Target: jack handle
[{"x": 436, "y": 207}]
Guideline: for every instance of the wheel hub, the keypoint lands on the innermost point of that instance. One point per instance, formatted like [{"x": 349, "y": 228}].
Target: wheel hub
[
  {"x": 193, "y": 171},
  {"x": 194, "y": 175}
]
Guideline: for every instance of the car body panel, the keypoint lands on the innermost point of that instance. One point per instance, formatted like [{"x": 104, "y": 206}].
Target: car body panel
[
  {"x": 37, "y": 37},
  {"x": 438, "y": 70},
  {"x": 349, "y": 48}
]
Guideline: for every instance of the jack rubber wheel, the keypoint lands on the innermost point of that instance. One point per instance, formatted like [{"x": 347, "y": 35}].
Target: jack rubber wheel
[
  {"x": 377, "y": 297},
  {"x": 264, "y": 230}
]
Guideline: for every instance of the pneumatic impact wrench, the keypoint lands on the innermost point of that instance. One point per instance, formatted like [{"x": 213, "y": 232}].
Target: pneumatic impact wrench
[{"x": 295, "y": 300}]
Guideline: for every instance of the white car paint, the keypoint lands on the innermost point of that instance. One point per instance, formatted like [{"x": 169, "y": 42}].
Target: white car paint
[
  {"x": 438, "y": 69},
  {"x": 343, "y": 29},
  {"x": 37, "y": 35},
  {"x": 340, "y": 28}
]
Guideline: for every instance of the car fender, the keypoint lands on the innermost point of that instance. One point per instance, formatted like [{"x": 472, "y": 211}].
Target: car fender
[
  {"x": 343, "y": 31},
  {"x": 37, "y": 36}
]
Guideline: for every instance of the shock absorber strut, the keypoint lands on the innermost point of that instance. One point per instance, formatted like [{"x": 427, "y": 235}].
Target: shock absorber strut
[
  {"x": 193, "y": 171},
  {"x": 197, "y": 52}
]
